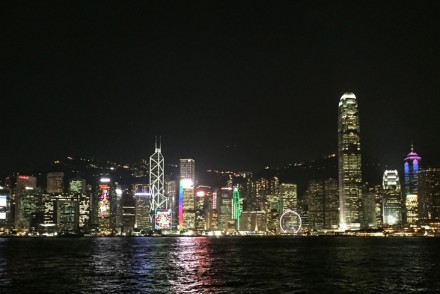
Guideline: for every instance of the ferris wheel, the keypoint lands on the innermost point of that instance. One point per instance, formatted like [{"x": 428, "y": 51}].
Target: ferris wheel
[{"x": 290, "y": 222}]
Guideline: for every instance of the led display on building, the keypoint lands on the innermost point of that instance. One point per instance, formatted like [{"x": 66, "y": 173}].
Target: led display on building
[
  {"x": 104, "y": 203},
  {"x": 163, "y": 219}
]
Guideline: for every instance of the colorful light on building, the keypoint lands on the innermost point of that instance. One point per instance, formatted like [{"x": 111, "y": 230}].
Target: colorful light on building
[
  {"x": 237, "y": 209},
  {"x": 163, "y": 219},
  {"x": 104, "y": 203}
]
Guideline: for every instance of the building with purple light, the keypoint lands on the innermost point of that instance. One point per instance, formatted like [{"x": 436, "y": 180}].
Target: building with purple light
[{"x": 410, "y": 169}]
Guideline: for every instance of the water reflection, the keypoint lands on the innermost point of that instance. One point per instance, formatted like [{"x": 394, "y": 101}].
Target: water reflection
[
  {"x": 191, "y": 260},
  {"x": 224, "y": 265}
]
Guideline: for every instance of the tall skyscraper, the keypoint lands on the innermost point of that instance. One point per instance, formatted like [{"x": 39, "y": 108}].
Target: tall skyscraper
[
  {"x": 392, "y": 200},
  {"x": 160, "y": 212},
  {"x": 186, "y": 213},
  {"x": 410, "y": 170},
  {"x": 349, "y": 161}
]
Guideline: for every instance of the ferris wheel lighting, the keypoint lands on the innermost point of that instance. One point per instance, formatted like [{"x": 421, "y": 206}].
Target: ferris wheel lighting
[{"x": 290, "y": 229}]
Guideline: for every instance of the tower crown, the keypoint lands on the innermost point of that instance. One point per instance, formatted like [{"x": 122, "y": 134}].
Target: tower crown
[{"x": 347, "y": 98}]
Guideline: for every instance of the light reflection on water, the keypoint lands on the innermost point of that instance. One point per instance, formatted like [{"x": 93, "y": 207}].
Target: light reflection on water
[
  {"x": 192, "y": 265},
  {"x": 219, "y": 265}
]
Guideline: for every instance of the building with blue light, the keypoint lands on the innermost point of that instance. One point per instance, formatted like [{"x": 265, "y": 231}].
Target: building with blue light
[{"x": 410, "y": 169}]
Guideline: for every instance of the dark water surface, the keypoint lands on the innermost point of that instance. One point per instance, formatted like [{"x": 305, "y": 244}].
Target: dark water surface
[{"x": 220, "y": 265}]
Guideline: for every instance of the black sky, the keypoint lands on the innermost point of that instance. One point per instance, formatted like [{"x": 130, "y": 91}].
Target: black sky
[{"x": 233, "y": 85}]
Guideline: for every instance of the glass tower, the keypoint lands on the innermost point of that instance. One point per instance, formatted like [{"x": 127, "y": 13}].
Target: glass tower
[{"x": 349, "y": 163}]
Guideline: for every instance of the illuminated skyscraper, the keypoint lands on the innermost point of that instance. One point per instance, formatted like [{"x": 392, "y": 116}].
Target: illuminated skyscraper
[
  {"x": 187, "y": 216},
  {"x": 349, "y": 159},
  {"x": 237, "y": 207},
  {"x": 105, "y": 195},
  {"x": 410, "y": 169},
  {"x": 186, "y": 195},
  {"x": 392, "y": 200},
  {"x": 159, "y": 203}
]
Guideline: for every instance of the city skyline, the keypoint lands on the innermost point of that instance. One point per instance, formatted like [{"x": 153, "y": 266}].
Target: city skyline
[{"x": 232, "y": 87}]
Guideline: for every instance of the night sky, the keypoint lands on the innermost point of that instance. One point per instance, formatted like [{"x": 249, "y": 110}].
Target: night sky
[{"x": 232, "y": 85}]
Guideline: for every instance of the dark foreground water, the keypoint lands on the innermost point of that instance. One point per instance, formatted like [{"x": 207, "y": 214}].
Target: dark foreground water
[{"x": 220, "y": 265}]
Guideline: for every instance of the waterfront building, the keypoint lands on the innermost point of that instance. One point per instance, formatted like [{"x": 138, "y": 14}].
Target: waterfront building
[
  {"x": 368, "y": 210},
  {"x": 186, "y": 195},
  {"x": 392, "y": 198},
  {"x": 331, "y": 204},
  {"x": 128, "y": 213},
  {"x": 159, "y": 203},
  {"x": 172, "y": 195},
  {"x": 429, "y": 194},
  {"x": 142, "y": 208},
  {"x": 225, "y": 207},
  {"x": 253, "y": 222},
  {"x": 4, "y": 209},
  {"x": 187, "y": 217},
  {"x": 411, "y": 205},
  {"x": 349, "y": 163},
  {"x": 203, "y": 202},
  {"x": 272, "y": 210},
  {"x": 323, "y": 204},
  {"x": 23, "y": 201},
  {"x": 106, "y": 196},
  {"x": 411, "y": 167},
  {"x": 214, "y": 216},
  {"x": 237, "y": 206},
  {"x": 315, "y": 193}
]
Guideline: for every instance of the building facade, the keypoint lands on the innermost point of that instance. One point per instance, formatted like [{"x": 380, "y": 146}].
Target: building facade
[{"x": 429, "y": 194}]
